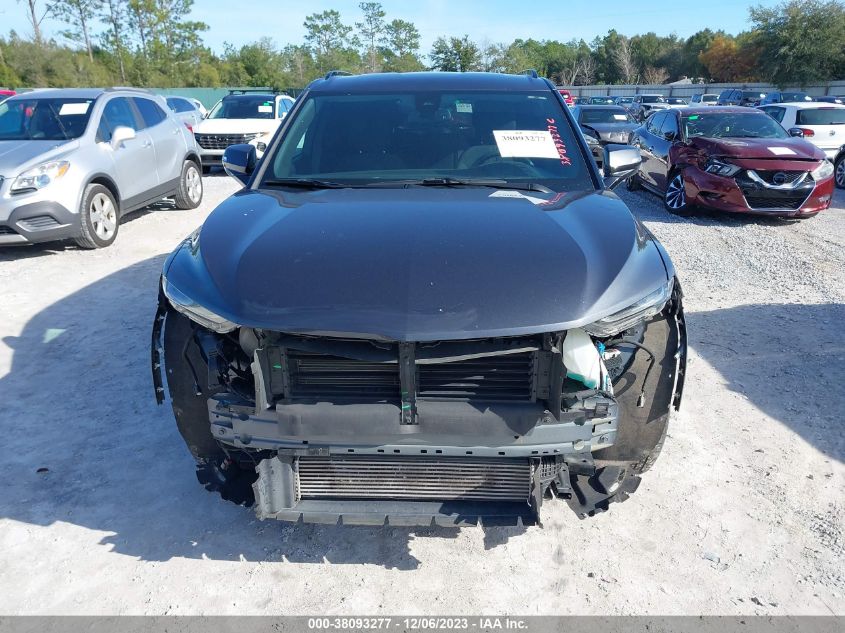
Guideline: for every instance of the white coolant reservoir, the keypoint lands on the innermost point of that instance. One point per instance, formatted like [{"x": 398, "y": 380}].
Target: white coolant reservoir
[{"x": 581, "y": 358}]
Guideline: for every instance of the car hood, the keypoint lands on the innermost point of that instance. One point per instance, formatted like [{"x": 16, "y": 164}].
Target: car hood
[
  {"x": 759, "y": 148},
  {"x": 616, "y": 132},
  {"x": 236, "y": 126},
  {"x": 17, "y": 156},
  {"x": 417, "y": 264}
]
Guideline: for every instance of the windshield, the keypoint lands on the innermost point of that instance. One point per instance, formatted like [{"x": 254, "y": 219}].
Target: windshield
[
  {"x": 604, "y": 115},
  {"x": 626, "y": 99},
  {"x": 408, "y": 137},
  {"x": 795, "y": 96},
  {"x": 601, "y": 100},
  {"x": 752, "y": 95},
  {"x": 44, "y": 119},
  {"x": 731, "y": 125},
  {"x": 821, "y": 116},
  {"x": 653, "y": 99},
  {"x": 244, "y": 107},
  {"x": 676, "y": 101}
]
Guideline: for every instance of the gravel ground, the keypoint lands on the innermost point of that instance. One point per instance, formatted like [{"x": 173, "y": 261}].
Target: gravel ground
[{"x": 743, "y": 513}]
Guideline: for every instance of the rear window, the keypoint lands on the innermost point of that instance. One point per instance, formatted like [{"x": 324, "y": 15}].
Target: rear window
[
  {"x": 652, "y": 99},
  {"x": 604, "y": 115},
  {"x": 180, "y": 105},
  {"x": 821, "y": 116},
  {"x": 750, "y": 94},
  {"x": 795, "y": 96}
]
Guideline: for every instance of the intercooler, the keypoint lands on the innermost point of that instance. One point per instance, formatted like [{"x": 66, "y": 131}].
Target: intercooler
[{"x": 414, "y": 478}]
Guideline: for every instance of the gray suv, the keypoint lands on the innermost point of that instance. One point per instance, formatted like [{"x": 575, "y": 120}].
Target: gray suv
[{"x": 72, "y": 162}]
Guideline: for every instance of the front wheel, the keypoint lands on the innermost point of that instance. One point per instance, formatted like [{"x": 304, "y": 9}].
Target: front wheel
[
  {"x": 675, "y": 198},
  {"x": 839, "y": 171},
  {"x": 98, "y": 218}
]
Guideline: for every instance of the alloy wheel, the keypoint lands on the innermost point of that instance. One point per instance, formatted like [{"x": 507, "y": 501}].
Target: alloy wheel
[
  {"x": 193, "y": 182},
  {"x": 676, "y": 195},
  {"x": 840, "y": 173},
  {"x": 103, "y": 216}
]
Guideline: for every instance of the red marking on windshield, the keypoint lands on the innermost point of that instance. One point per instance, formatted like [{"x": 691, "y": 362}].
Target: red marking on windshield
[{"x": 559, "y": 144}]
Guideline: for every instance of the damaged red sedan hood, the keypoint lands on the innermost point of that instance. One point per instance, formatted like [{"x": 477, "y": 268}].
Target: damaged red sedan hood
[{"x": 759, "y": 148}]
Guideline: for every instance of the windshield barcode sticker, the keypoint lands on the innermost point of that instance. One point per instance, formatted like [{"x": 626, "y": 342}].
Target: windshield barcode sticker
[
  {"x": 265, "y": 108},
  {"x": 525, "y": 144},
  {"x": 69, "y": 109}
]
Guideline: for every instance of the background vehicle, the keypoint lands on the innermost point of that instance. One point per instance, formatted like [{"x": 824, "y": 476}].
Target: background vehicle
[
  {"x": 199, "y": 106},
  {"x": 260, "y": 143},
  {"x": 730, "y": 159},
  {"x": 676, "y": 102},
  {"x": 736, "y": 97},
  {"x": 185, "y": 111},
  {"x": 704, "y": 99},
  {"x": 830, "y": 99},
  {"x": 400, "y": 273},
  {"x": 238, "y": 118},
  {"x": 643, "y": 105},
  {"x": 567, "y": 96},
  {"x": 75, "y": 161},
  {"x": 7, "y": 93},
  {"x": 785, "y": 97},
  {"x": 602, "y": 101},
  {"x": 822, "y": 124},
  {"x": 606, "y": 124}
]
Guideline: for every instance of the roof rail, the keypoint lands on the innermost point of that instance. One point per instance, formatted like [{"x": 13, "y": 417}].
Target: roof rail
[
  {"x": 531, "y": 73},
  {"x": 132, "y": 88},
  {"x": 243, "y": 91},
  {"x": 337, "y": 73}
]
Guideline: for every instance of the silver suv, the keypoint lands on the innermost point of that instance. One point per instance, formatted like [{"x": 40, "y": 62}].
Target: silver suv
[{"x": 72, "y": 162}]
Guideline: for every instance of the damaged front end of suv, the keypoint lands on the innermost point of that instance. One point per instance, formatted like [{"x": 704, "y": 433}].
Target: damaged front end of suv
[{"x": 411, "y": 350}]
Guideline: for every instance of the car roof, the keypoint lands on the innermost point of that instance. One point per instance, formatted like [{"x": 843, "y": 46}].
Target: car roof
[
  {"x": 812, "y": 105},
  {"x": 714, "y": 110},
  {"x": 422, "y": 81},
  {"x": 58, "y": 93}
]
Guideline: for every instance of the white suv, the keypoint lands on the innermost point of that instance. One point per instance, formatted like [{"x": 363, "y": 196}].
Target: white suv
[
  {"x": 73, "y": 161},
  {"x": 823, "y": 124},
  {"x": 238, "y": 118}
]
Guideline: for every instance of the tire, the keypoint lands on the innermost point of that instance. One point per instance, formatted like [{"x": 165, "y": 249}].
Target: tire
[
  {"x": 214, "y": 470},
  {"x": 206, "y": 169},
  {"x": 675, "y": 196},
  {"x": 839, "y": 172},
  {"x": 633, "y": 183},
  {"x": 99, "y": 218},
  {"x": 189, "y": 194}
]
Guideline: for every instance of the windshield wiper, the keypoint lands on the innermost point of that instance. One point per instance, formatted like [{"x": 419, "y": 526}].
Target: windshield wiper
[
  {"x": 479, "y": 182},
  {"x": 303, "y": 183}
]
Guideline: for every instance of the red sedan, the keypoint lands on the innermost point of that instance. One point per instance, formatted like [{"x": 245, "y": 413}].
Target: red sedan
[
  {"x": 567, "y": 96},
  {"x": 730, "y": 159}
]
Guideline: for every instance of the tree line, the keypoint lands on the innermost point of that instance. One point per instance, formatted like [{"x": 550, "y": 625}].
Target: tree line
[{"x": 154, "y": 43}]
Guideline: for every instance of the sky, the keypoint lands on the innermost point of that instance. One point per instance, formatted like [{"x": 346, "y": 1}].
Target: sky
[{"x": 241, "y": 21}]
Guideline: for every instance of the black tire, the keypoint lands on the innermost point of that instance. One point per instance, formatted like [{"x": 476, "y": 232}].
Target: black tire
[
  {"x": 99, "y": 218},
  {"x": 206, "y": 169},
  {"x": 189, "y": 195},
  {"x": 675, "y": 197},
  {"x": 839, "y": 171},
  {"x": 633, "y": 183},
  {"x": 214, "y": 469}
]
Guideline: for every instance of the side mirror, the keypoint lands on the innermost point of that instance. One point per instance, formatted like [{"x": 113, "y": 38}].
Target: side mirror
[
  {"x": 796, "y": 132},
  {"x": 239, "y": 161},
  {"x": 620, "y": 163},
  {"x": 120, "y": 135}
]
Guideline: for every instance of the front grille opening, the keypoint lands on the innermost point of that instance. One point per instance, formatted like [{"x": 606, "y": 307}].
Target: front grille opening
[
  {"x": 331, "y": 377},
  {"x": 413, "y": 478},
  {"x": 792, "y": 203},
  {"x": 221, "y": 141},
  {"x": 507, "y": 377},
  {"x": 7, "y": 230}
]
